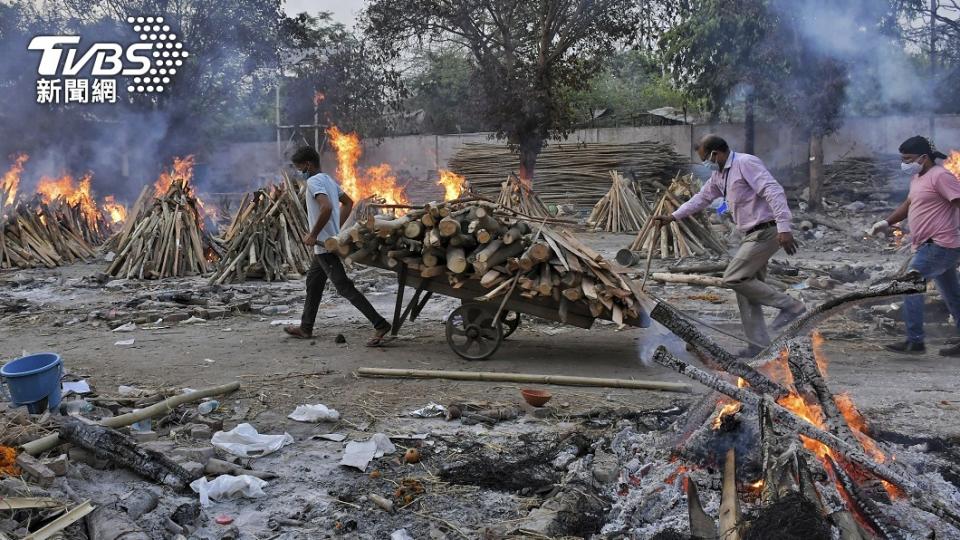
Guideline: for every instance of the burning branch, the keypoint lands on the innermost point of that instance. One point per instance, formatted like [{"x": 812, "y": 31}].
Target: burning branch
[{"x": 919, "y": 494}]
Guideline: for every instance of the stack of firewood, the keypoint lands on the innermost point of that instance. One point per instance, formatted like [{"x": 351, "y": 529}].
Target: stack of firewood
[
  {"x": 164, "y": 236},
  {"x": 34, "y": 235},
  {"x": 570, "y": 172},
  {"x": 479, "y": 240},
  {"x": 517, "y": 195},
  {"x": 620, "y": 210},
  {"x": 84, "y": 220},
  {"x": 264, "y": 240},
  {"x": 679, "y": 239}
]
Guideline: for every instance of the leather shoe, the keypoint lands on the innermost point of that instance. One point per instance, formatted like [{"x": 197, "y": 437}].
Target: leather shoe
[{"x": 906, "y": 347}]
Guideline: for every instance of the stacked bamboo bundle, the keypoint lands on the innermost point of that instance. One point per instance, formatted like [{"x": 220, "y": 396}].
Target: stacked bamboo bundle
[
  {"x": 516, "y": 195},
  {"x": 679, "y": 239},
  {"x": 620, "y": 210},
  {"x": 32, "y": 236},
  {"x": 265, "y": 238},
  {"x": 570, "y": 173},
  {"x": 164, "y": 236},
  {"x": 478, "y": 240}
]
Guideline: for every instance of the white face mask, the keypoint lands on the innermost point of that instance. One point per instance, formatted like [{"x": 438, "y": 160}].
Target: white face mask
[
  {"x": 711, "y": 165},
  {"x": 911, "y": 168}
]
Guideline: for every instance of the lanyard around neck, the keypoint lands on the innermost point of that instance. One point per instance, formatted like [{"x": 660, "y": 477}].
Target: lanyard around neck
[{"x": 726, "y": 174}]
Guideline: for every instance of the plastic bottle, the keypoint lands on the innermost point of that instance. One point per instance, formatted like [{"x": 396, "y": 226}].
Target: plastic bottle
[
  {"x": 76, "y": 407},
  {"x": 144, "y": 425},
  {"x": 208, "y": 407}
]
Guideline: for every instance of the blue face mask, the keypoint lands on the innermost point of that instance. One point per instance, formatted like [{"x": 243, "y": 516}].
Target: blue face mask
[{"x": 306, "y": 174}]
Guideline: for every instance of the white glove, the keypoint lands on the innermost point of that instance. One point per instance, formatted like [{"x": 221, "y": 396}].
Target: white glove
[{"x": 880, "y": 226}]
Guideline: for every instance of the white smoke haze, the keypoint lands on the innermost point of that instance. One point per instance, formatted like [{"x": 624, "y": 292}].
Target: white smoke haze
[{"x": 850, "y": 32}]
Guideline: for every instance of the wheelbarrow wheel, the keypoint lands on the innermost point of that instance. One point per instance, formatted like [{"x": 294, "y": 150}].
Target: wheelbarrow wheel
[
  {"x": 510, "y": 321},
  {"x": 473, "y": 333}
]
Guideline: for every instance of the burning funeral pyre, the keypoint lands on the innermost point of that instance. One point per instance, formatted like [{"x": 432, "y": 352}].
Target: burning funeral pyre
[
  {"x": 59, "y": 223},
  {"x": 798, "y": 456},
  {"x": 165, "y": 235}
]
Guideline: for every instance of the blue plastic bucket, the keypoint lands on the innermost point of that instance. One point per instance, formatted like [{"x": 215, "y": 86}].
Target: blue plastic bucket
[{"x": 33, "y": 379}]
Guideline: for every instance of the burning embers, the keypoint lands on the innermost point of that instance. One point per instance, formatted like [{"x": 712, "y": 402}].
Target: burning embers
[{"x": 377, "y": 181}]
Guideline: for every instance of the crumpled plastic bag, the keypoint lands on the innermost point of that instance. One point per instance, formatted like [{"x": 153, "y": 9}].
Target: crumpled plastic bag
[
  {"x": 360, "y": 454},
  {"x": 314, "y": 413},
  {"x": 432, "y": 410},
  {"x": 227, "y": 486},
  {"x": 244, "y": 441}
]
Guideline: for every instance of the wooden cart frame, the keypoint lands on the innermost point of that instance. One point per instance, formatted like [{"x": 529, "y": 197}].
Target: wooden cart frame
[{"x": 471, "y": 330}]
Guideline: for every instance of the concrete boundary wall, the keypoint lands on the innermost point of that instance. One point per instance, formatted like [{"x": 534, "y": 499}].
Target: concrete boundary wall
[{"x": 415, "y": 158}]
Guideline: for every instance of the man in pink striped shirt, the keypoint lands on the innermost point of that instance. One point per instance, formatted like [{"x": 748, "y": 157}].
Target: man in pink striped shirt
[{"x": 758, "y": 206}]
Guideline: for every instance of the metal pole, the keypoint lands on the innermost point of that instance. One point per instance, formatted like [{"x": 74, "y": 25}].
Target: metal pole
[{"x": 933, "y": 67}]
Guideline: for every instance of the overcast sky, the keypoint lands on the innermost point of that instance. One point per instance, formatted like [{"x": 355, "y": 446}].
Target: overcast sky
[{"x": 344, "y": 11}]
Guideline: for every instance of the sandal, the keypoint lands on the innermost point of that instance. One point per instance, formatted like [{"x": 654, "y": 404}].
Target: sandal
[
  {"x": 297, "y": 332},
  {"x": 380, "y": 338}
]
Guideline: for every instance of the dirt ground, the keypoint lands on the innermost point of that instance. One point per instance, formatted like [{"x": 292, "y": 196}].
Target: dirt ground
[{"x": 911, "y": 395}]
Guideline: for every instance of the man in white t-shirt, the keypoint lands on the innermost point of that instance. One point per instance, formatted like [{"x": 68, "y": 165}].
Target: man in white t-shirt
[{"x": 328, "y": 207}]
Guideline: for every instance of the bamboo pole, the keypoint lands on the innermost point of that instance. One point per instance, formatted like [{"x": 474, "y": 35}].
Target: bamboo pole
[
  {"x": 168, "y": 405},
  {"x": 489, "y": 376}
]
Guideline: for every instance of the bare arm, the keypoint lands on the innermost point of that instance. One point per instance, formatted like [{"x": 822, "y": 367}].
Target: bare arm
[
  {"x": 900, "y": 213},
  {"x": 346, "y": 207}
]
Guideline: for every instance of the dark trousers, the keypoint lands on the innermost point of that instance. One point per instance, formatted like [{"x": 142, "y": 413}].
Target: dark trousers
[{"x": 328, "y": 265}]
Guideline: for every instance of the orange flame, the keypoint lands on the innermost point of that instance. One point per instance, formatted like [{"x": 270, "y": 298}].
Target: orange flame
[
  {"x": 51, "y": 189},
  {"x": 11, "y": 179},
  {"x": 453, "y": 184},
  {"x": 726, "y": 410},
  {"x": 952, "y": 163},
  {"x": 181, "y": 171},
  {"x": 378, "y": 180},
  {"x": 817, "y": 340},
  {"x": 672, "y": 477},
  {"x": 117, "y": 211}
]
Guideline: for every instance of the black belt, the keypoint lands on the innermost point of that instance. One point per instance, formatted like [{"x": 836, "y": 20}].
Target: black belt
[{"x": 760, "y": 227}]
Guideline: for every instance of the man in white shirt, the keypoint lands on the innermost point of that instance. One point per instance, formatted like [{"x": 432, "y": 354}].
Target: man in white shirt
[{"x": 328, "y": 207}]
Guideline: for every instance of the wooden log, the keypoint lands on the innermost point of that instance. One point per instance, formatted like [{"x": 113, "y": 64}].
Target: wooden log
[
  {"x": 498, "y": 256},
  {"x": 701, "y": 524},
  {"x": 449, "y": 226},
  {"x": 682, "y": 327},
  {"x": 540, "y": 252},
  {"x": 484, "y": 254},
  {"x": 414, "y": 230},
  {"x": 730, "y": 515},
  {"x": 912, "y": 283},
  {"x": 573, "y": 294},
  {"x": 516, "y": 232},
  {"x": 431, "y": 257},
  {"x": 688, "y": 279},
  {"x": 115, "y": 447},
  {"x": 456, "y": 260},
  {"x": 491, "y": 278},
  {"x": 489, "y": 376}
]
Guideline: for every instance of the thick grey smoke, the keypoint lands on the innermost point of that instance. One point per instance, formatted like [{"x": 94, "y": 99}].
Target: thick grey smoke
[
  {"x": 854, "y": 32},
  {"x": 217, "y": 97}
]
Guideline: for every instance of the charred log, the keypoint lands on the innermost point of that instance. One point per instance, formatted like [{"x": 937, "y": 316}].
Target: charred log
[{"x": 115, "y": 447}]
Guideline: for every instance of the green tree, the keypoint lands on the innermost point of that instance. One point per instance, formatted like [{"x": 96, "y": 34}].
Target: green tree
[
  {"x": 528, "y": 57},
  {"x": 356, "y": 86},
  {"x": 443, "y": 87},
  {"x": 631, "y": 83}
]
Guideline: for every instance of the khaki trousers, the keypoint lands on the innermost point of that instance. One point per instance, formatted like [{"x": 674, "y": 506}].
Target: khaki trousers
[{"x": 746, "y": 274}]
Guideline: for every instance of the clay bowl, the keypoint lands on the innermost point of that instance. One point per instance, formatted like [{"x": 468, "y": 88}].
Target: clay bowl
[{"x": 536, "y": 398}]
